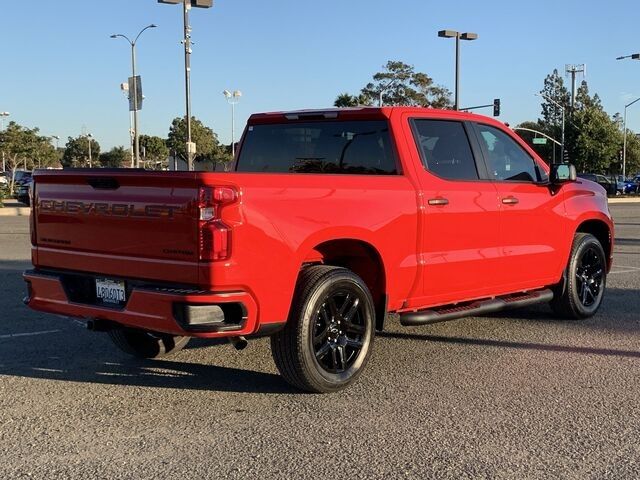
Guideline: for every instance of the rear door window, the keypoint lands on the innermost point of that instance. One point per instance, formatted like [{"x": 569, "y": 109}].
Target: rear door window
[
  {"x": 445, "y": 149},
  {"x": 347, "y": 147}
]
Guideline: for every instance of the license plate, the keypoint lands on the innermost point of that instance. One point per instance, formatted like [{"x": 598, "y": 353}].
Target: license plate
[{"x": 110, "y": 291}]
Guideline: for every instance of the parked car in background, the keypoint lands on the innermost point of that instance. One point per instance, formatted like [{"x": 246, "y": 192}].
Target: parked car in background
[
  {"x": 21, "y": 177},
  {"x": 633, "y": 185},
  {"x": 620, "y": 183},
  {"x": 23, "y": 192},
  {"x": 3, "y": 179},
  {"x": 610, "y": 187}
]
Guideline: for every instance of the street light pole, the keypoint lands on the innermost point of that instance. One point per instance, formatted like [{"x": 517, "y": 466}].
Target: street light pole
[
  {"x": 458, "y": 36},
  {"x": 89, "y": 137},
  {"x": 135, "y": 89},
  {"x": 624, "y": 136},
  {"x": 3, "y": 115},
  {"x": 233, "y": 99},
  {"x": 549, "y": 99},
  {"x": 187, "y": 80},
  {"x": 633, "y": 56},
  {"x": 125, "y": 90}
]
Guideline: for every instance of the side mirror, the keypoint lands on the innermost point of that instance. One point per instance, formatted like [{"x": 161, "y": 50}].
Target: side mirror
[{"x": 562, "y": 173}]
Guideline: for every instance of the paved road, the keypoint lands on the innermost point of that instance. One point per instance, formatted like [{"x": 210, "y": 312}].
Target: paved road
[{"x": 516, "y": 396}]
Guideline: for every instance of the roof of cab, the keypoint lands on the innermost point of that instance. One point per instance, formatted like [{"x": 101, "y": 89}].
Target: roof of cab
[{"x": 356, "y": 113}]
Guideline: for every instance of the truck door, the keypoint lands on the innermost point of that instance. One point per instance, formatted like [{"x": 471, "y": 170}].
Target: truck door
[
  {"x": 460, "y": 238},
  {"x": 532, "y": 218}
]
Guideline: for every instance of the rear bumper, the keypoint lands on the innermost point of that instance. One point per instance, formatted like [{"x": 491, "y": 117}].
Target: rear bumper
[{"x": 174, "y": 311}]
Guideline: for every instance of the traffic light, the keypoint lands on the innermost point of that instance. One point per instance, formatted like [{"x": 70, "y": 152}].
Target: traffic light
[{"x": 496, "y": 107}]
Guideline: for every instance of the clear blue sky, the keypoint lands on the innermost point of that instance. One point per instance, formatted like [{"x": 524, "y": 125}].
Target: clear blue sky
[{"x": 61, "y": 72}]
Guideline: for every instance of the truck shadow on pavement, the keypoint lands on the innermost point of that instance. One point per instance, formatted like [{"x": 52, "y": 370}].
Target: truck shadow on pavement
[
  {"x": 79, "y": 361},
  {"x": 513, "y": 345},
  {"x": 616, "y": 315}
]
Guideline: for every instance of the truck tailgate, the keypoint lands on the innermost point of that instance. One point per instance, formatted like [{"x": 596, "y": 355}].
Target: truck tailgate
[{"x": 145, "y": 221}]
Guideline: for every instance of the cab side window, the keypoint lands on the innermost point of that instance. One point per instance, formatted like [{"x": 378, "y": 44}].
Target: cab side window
[
  {"x": 506, "y": 159},
  {"x": 444, "y": 149}
]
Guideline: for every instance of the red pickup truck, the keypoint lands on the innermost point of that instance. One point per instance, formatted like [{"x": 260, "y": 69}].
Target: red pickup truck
[{"x": 328, "y": 221}]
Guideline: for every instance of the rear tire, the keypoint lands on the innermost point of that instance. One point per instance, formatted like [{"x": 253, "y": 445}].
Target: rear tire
[
  {"x": 145, "y": 344},
  {"x": 328, "y": 337},
  {"x": 581, "y": 293}
]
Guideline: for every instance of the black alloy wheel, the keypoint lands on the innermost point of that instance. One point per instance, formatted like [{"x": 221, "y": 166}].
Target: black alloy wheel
[
  {"x": 339, "y": 330},
  {"x": 589, "y": 276},
  {"x": 328, "y": 337},
  {"x": 581, "y": 292}
]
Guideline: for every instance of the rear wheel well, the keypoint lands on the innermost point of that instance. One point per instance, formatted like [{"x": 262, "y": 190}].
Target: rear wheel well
[
  {"x": 601, "y": 231},
  {"x": 363, "y": 260}
]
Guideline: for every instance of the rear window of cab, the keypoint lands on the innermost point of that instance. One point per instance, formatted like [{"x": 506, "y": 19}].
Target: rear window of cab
[{"x": 339, "y": 147}]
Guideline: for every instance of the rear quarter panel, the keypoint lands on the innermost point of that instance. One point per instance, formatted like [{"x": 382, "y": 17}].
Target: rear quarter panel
[{"x": 280, "y": 218}]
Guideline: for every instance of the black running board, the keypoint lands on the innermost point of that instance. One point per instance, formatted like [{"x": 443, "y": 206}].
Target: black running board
[{"x": 478, "y": 307}]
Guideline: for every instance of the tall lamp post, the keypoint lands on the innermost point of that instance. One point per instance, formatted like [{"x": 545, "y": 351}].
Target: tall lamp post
[
  {"x": 135, "y": 88},
  {"x": 633, "y": 56},
  {"x": 458, "y": 36},
  {"x": 624, "y": 136},
  {"x": 186, "y": 8},
  {"x": 89, "y": 138},
  {"x": 124, "y": 87},
  {"x": 233, "y": 98},
  {"x": 3, "y": 115},
  {"x": 549, "y": 99}
]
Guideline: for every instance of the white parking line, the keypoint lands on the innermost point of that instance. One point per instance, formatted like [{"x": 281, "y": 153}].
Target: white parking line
[
  {"x": 30, "y": 334},
  {"x": 626, "y": 269}
]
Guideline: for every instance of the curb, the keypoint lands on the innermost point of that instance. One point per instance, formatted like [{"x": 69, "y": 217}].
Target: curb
[
  {"x": 15, "y": 212},
  {"x": 625, "y": 200}
]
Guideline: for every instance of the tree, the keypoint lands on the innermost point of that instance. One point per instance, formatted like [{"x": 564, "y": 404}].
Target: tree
[
  {"x": 208, "y": 146},
  {"x": 347, "y": 100},
  {"x": 633, "y": 154},
  {"x": 155, "y": 151},
  {"x": 117, "y": 157},
  {"x": 399, "y": 84},
  {"x": 76, "y": 153},
  {"x": 24, "y": 148},
  {"x": 555, "y": 90},
  {"x": 597, "y": 141}
]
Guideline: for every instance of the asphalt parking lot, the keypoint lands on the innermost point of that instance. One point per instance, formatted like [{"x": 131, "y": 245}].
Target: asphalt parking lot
[{"x": 520, "y": 395}]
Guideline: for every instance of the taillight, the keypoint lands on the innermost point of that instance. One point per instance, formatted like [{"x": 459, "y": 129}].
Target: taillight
[{"x": 215, "y": 236}]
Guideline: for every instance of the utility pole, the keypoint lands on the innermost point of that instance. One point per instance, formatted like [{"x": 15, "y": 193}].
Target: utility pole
[
  {"x": 573, "y": 70},
  {"x": 186, "y": 7}
]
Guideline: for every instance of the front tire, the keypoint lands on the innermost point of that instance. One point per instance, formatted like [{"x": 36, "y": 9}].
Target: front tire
[
  {"x": 328, "y": 337},
  {"x": 145, "y": 344},
  {"x": 580, "y": 295}
]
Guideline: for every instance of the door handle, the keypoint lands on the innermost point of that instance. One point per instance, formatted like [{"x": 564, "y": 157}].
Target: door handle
[
  {"x": 510, "y": 200},
  {"x": 438, "y": 201}
]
